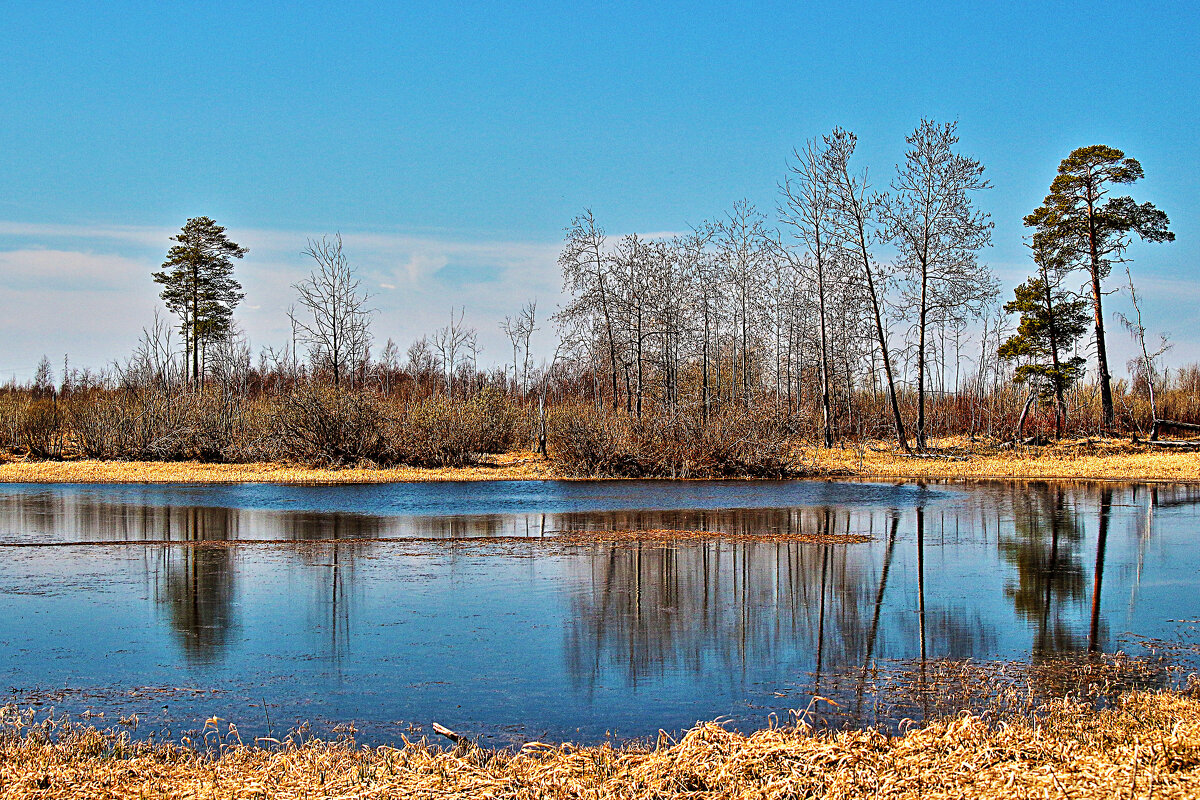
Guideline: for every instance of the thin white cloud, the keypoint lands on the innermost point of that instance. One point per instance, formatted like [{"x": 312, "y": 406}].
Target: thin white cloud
[
  {"x": 86, "y": 290},
  {"x": 68, "y": 271},
  {"x": 94, "y": 282}
]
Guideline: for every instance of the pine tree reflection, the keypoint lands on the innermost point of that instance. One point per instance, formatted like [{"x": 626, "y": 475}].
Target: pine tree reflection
[
  {"x": 1094, "y": 632},
  {"x": 1043, "y": 546},
  {"x": 195, "y": 583}
]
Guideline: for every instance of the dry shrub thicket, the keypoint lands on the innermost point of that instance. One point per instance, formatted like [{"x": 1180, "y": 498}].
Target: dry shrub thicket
[
  {"x": 309, "y": 421},
  {"x": 1145, "y": 745}
]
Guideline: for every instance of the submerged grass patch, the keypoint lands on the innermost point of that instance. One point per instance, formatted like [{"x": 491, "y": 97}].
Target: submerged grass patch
[
  {"x": 673, "y": 536},
  {"x": 499, "y": 545},
  {"x": 1145, "y": 745}
]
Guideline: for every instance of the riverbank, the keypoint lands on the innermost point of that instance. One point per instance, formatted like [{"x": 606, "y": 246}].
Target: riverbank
[
  {"x": 1147, "y": 745},
  {"x": 518, "y": 466},
  {"x": 950, "y": 459},
  {"x": 960, "y": 459}
]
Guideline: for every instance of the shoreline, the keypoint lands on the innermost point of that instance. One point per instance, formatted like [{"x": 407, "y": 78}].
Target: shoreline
[
  {"x": 1111, "y": 460},
  {"x": 1146, "y": 744}
]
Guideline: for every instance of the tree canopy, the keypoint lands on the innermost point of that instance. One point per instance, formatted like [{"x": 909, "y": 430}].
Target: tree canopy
[
  {"x": 1052, "y": 320},
  {"x": 1086, "y": 229},
  {"x": 198, "y": 284}
]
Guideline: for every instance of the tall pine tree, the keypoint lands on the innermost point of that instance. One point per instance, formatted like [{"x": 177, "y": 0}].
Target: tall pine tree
[
  {"x": 1086, "y": 229},
  {"x": 198, "y": 284},
  {"x": 1052, "y": 320}
]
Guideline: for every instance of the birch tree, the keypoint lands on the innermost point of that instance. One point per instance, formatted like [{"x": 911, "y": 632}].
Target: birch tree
[
  {"x": 931, "y": 218},
  {"x": 855, "y": 215}
]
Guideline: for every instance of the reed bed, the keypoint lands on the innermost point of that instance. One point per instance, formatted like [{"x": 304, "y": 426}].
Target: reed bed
[
  {"x": 1146, "y": 745},
  {"x": 959, "y": 458},
  {"x": 505, "y": 466}
]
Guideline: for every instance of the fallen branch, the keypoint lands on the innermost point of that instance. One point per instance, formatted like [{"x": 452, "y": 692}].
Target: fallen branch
[
  {"x": 945, "y": 456},
  {"x": 1170, "y": 423},
  {"x": 1178, "y": 444},
  {"x": 449, "y": 734}
]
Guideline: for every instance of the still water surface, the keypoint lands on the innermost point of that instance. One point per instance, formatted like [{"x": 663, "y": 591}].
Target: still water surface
[{"x": 393, "y": 606}]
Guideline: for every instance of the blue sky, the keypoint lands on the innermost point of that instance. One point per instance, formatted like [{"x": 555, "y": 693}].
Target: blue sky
[{"x": 450, "y": 143}]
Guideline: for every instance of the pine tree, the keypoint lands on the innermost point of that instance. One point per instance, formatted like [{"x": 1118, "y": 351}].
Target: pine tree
[
  {"x": 198, "y": 284},
  {"x": 1052, "y": 320},
  {"x": 1086, "y": 231}
]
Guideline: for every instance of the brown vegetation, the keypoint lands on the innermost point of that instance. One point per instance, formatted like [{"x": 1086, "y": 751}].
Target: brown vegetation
[
  {"x": 1146, "y": 745},
  {"x": 958, "y": 459}
]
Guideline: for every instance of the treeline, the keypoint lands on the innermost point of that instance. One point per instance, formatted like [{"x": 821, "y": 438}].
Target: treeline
[{"x": 847, "y": 313}]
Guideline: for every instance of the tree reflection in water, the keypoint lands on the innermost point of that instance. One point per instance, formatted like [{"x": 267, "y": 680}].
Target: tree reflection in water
[
  {"x": 710, "y": 605},
  {"x": 715, "y": 606},
  {"x": 1043, "y": 547},
  {"x": 993, "y": 571},
  {"x": 195, "y": 583}
]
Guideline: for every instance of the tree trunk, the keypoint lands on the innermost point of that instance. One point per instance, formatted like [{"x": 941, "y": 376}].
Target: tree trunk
[
  {"x": 883, "y": 348},
  {"x": 704, "y": 368},
  {"x": 195, "y": 323},
  {"x": 1060, "y": 403},
  {"x": 826, "y": 411},
  {"x": 1106, "y": 398},
  {"x": 922, "y": 319},
  {"x": 1025, "y": 413}
]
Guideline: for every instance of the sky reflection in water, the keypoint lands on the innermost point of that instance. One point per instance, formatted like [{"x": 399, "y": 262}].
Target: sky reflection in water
[{"x": 391, "y": 605}]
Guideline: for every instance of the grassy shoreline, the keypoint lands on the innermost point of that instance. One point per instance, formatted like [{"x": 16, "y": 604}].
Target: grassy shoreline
[
  {"x": 1146, "y": 745},
  {"x": 1116, "y": 460}
]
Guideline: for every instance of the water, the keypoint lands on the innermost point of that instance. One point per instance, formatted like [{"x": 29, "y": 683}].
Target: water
[{"x": 389, "y": 607}]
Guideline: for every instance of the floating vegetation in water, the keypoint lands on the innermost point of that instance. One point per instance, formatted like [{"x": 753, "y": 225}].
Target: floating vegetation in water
[
  {"x": 571, "y": 537},
  {"x": 671, "y": 536}
]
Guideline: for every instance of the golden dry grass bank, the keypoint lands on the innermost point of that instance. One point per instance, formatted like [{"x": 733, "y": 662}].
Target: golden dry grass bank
[
  {"x": 952, "y": 459},
  {"x": 957, "y": 458},
  {"x": 1148, "y": 745},
  {"x": 509, "y": 466}
]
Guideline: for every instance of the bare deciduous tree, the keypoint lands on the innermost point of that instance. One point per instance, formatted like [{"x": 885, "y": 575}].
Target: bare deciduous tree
[
  {"x": 806, "y": 210},
  {"x": 1145, "y": 366},
  {"x": 743, "y": 247},
  {"x": 452, "y": 342},
  {"x": 931, "y": 217},
  {"x": 339, "y": 332},
  {"x": 855, "y": 213},
  {"x": 586, "y": 266}
]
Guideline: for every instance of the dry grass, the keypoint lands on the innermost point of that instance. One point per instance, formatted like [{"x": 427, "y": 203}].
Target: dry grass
[
  {"x": 1148, "y": 745},
  {"x": 673, "y": 536},
  {"x": 509, "y": 466},
  {"x": 954, "y": 458},
  {"x": 958, "y": 458}
]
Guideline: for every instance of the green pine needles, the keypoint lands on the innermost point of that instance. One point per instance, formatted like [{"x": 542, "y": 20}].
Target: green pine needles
[{"x": 198, "y": 286}]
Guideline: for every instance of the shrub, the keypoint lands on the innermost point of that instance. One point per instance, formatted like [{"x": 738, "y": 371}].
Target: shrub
[
  {"x": 584, "y": 441},
  {"x": 498, "y": 423},
  {"x": 323, "y": 426},
  {"x": 39, "y": 430},
  {"x": 12, "y": 416},
  {"x": 443, "y": 432}
]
